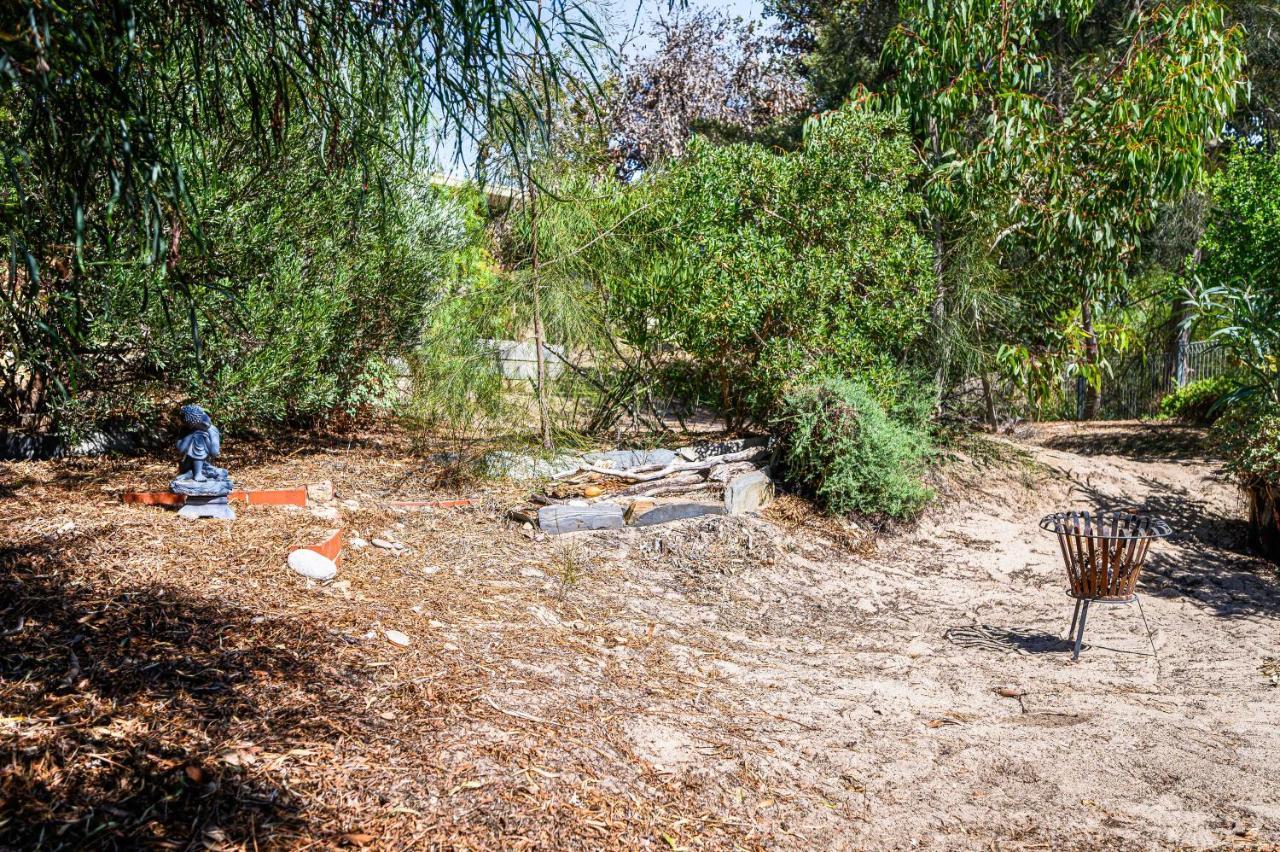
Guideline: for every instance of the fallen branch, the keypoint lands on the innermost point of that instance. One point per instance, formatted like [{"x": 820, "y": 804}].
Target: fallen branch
[
  {"x": 724, "y": 472},
  {"x": 664, "y": 490},
  {"x": 641, "y": 488},
  {"x": 680, "y": 467}
]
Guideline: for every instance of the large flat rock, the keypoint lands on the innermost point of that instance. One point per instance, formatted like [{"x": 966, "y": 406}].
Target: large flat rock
[
  {"x": 565, "y": 519},
  {"x": 665, "y": 513}
]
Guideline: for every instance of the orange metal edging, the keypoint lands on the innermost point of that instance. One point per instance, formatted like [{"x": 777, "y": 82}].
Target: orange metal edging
[
  {"x": 272, "y": 497},
  {"x": 330, "y": 547},
  {"x": 154, "y": 498}
]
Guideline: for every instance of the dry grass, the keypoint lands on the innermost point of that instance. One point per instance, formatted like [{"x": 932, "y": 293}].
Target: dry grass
[{"x": 172, "y": 684}]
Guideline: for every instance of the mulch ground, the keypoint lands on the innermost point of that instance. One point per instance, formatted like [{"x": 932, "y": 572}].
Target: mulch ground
[{"x": 172, "y": 684}]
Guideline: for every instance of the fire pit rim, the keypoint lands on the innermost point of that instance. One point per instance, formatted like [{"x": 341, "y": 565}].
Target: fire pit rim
[{"x": 1099, "y": 520}]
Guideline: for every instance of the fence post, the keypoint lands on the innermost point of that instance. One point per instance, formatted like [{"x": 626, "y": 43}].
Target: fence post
[
  {"x": 1180, "y": 366},
  {"x": 1079, "y": 397}
]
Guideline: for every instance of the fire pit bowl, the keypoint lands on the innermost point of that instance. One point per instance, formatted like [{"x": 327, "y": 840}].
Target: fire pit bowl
[{"x": 1103, "y": 552}]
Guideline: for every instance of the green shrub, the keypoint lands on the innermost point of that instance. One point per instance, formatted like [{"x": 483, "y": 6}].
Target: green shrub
[
  {"x": 744, "y": 270},
  {"x": 294, "y": 305},
  {"x": 840, "y": 447},
  {"x": 1202, "y": 401},
  {"x": 1248, "y": 435}
]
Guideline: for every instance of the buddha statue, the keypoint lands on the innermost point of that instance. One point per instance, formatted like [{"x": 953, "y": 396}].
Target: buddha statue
[{"x": 204, "y": 484}]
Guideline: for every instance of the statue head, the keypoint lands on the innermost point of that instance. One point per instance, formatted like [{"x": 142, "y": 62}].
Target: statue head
[{"x": 195, "y": 417}]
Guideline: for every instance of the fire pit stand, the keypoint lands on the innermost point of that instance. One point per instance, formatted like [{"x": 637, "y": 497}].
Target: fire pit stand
[{"x": 1103, "y": 552}]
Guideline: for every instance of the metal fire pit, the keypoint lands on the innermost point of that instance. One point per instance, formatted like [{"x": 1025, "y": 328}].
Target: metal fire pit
[{"x": 1103, "y": 552}]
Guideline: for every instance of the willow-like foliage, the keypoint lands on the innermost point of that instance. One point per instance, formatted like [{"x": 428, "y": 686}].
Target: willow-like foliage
[{"x": 112, "y": 110}]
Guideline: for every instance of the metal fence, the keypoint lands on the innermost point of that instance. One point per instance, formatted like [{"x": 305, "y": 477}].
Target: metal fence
[{"x": 1142, "y": 380}]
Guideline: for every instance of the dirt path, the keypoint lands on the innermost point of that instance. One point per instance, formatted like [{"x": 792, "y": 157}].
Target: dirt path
[{"x": 774, "y": 682}]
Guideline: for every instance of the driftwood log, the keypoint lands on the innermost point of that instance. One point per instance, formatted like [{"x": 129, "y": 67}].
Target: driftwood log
[
  {"x": 642, "y": 488},
  {"x": 643, "y": 474}
]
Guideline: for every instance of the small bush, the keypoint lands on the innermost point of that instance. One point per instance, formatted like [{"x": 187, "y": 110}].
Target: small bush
[
  {"x": 840, "y": 447},
  {"x": 1201, "y": 401},
  {"x": 1248, "y": 436}
]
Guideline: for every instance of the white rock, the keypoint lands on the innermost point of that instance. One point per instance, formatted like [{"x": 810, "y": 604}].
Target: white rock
[
  {"x": 351, "y": 505},
  {"x": 384, "y": 544},
  {"x": 430, "y": 569},
  {"x": 397, "y": 637},
  {"x": 312, "y": 565},
  {"x": 320, "y": 492},
  {"x": 359, "y": 543},
  {"x": 531, "y": 572},
  {"x": 748, "y": 492},
  {"x": 328, "y": 513}
]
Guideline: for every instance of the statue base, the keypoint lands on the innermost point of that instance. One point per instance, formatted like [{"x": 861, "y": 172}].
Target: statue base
[
  {"x": 206, "y": 498},
  {"x": 207, "y": 507}
]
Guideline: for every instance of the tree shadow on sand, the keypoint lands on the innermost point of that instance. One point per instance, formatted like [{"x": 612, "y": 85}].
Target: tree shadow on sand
[
  {"x": 1143, "y": 442},
  {"x": 119, "y": 705}
]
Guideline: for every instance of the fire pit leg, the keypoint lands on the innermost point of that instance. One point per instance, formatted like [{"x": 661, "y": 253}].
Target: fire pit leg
[
  {"x": 1084, "y": 614},
  {"x": 1075, "y": 616}
]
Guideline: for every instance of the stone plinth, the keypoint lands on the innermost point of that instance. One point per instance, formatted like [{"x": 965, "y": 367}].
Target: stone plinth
[{"x": 205, "y": 498}]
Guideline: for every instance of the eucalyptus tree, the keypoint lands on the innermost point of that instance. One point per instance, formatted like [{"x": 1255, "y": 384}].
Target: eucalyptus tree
[
  {"x": 1058, "y": 129},
  {"x": 111, "y": 112}
]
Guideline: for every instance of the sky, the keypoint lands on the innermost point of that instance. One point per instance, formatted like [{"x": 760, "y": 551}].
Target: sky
[{"x": 626, "y": 23}]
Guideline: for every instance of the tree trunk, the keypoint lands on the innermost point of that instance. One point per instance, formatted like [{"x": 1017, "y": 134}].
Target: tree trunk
[
  {"x": 539, "y": 339},
  {"x": 938, "y": 313},
  {"x": 1092, "y": 390},
  {"x": 989, "y": 399}
]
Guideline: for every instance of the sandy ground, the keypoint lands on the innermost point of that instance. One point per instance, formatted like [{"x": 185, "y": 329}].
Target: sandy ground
[
  {"x": 864, "y": 688},
  {"x": 753, "y": 682}
]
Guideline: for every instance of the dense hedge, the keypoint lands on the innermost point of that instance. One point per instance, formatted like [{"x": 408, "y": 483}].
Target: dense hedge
[
  {"x": 766, "y": 268},
  {"x": 1201, "y": 402},
  {"x": 291, "y": 308}
]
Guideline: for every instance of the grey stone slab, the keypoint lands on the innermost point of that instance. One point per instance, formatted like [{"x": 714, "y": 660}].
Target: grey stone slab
[
  {"x": 519, "y": 467},
  {"x": 665, "y": 513},
  {"x": 748, "y": 492},
  {"x": 564, "y": 519},
  {"x": 194, "y": 511},
  {"x": 627, "y": 459}
]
